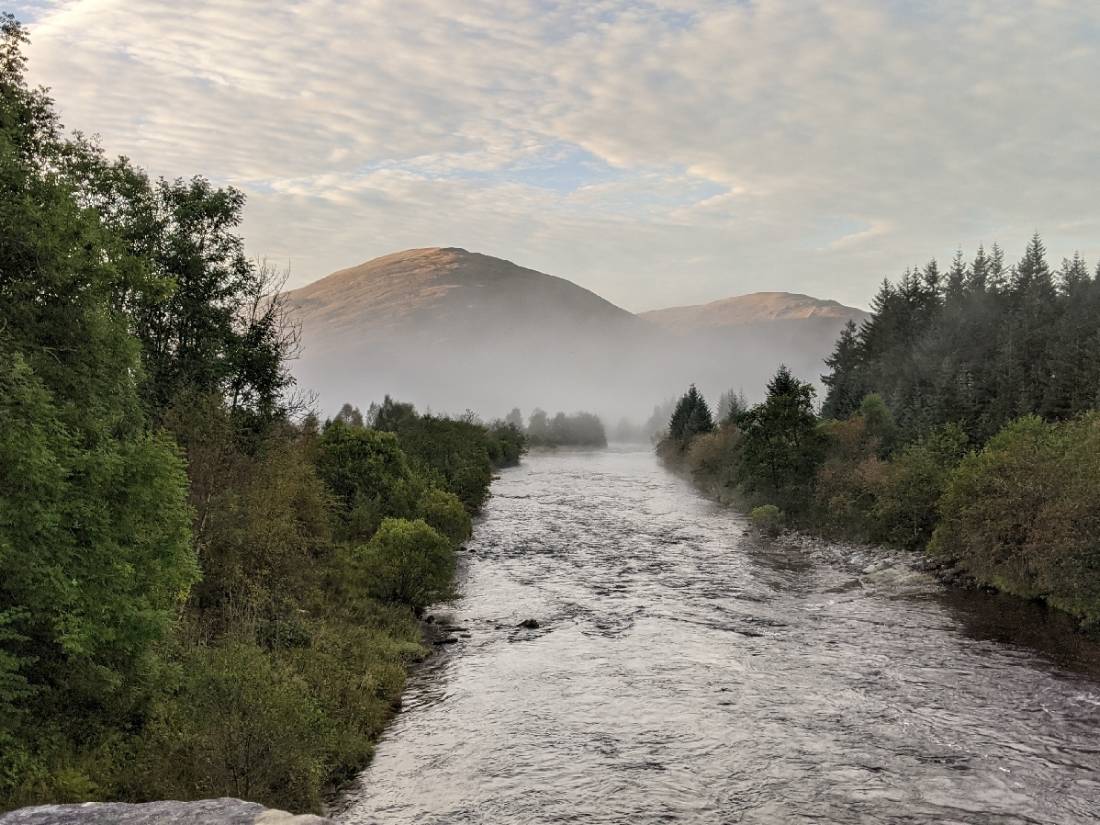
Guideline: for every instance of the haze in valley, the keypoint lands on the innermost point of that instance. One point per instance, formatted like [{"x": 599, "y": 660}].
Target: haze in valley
[{"x": 450, "y": 329}]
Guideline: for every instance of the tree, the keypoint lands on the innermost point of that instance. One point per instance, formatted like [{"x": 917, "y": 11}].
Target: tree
[
  {"x": 538, "y": 425},
  {"x": 95, "y": 551},
  {"x": 349, "y": 415},
  {"x": 844, "y": 381},
  {"x": 730, "y": 405},
  {"x": 444, "y": 513},
  {"x": 780, "y": 446},
  {"x": 391, "y": 415},
  {"x": 690, "y": 418}
]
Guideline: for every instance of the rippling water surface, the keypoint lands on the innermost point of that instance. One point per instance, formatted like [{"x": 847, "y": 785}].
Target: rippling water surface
[{"x": 686, "y": 672}]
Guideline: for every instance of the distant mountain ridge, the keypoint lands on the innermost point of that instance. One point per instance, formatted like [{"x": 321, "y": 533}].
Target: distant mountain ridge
[
  {"x": 754, "y": 308},
  {"x": 451, "y": 329}
]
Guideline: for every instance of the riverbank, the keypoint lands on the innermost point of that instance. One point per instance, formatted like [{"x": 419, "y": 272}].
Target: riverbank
[
  {"x": 880, "y": 561},
  {"x": 1018, "y": 514}
]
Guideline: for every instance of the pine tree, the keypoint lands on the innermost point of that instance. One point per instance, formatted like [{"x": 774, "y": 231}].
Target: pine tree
[
  {"x": 844, "y": 381},
  {"x": 691, "y": 417}
]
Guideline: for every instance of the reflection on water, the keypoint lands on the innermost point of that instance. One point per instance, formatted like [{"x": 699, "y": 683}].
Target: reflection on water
[{"x": 684, "y": 672}]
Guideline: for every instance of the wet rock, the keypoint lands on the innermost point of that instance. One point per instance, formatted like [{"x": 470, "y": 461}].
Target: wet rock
[
  {"x": 446, "y": 640},
  {"x": 430, "y": 619},
  {"x": 529, "y": 624},
  {"x": 204, "y": 812}
]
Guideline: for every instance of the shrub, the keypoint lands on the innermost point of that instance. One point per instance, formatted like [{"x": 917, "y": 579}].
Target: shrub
[
  {"x": 507, "y": 444},
  {"x": 243, "y": 724},
  {"x": 1023, "y": 516},
  {"x": 369, "y": 475},
  {"x": 847, "y": 481},
  {"x": 767, "y": 519},
  {"x": 356, "y": 671},
  {"x": 444, "y": 513},
  {"x": 452, "y": 454},
  {"x": 713, "y": 454},
  {"x": 410, "y": 563},
  {"x": 906, "y": 508}
]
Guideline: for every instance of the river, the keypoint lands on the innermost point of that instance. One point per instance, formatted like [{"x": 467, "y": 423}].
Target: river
[{"x": 686, "y": 671}]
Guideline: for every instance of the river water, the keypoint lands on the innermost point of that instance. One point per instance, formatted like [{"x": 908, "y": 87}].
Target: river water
[{"x": 685, "y": 671}]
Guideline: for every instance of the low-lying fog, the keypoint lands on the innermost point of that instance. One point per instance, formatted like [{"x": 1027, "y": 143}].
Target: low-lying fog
[{"x": 618, "y": 374}]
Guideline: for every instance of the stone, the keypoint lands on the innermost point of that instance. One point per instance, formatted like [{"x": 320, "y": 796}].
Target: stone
[{"x": 225, "y": 811}]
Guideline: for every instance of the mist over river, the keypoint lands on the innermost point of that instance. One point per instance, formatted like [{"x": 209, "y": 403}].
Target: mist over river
[{"x": 686, "y": 671}]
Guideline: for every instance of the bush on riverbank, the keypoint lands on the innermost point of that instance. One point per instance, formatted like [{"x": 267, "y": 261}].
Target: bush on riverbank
[
  {"x": 1023, "y": 513},
  {"x": 767, "y": 519},
  {"x": 410, "y": 563}
]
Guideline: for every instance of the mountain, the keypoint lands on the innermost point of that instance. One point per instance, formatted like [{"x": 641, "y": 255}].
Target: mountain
[
  {"x": 756, "y": 308},
  {"x": 451, "y": 330},
  {"x": 445, "y": 293}
]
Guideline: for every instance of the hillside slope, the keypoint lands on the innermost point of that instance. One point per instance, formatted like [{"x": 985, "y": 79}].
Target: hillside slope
[{"x": 444, "y": 292}]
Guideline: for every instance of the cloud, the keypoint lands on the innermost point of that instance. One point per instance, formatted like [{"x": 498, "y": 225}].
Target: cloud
[{"x": 656, "y": 152}]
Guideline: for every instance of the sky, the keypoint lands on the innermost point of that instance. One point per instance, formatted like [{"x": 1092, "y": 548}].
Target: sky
[{"x": 658, "y": 153}]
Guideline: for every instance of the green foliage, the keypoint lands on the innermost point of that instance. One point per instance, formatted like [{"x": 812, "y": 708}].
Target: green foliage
[
  {"x": 979, "y": 347},
  {"x": 506, "y": 444},
  {"x": 767, "y": 519},
  {"x": 266, "y": 519},
  {"x": 848, "y": 480},
  {"x": 369, "y": 475},
  {"x": 133, "y": 335},
  {"x": 844, "y": 381},
  {"x": 731, "y": 405},
  {"x": 711, "y": 456},
  {"x": 1022, "y": 513},
  {"x": 444, "y": 513},
  {"x": 356, "y": 672},
  {"x": 906, "y": 508},
  {"x": 412, "y": 564},
  {"x": 449, "y": 453},
  {"x": 690, "y": 418},
  {"x": 95, "y": 550},
  {"x": 781, "y": 446},
  {"x": 241, "y": 723}
]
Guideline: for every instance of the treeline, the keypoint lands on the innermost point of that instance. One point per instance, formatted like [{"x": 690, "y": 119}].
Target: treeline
[
  {"x": 977, "y": 346},
  {"x": 582, "y": 429},
  {"x": 204, "y": 591},
  {"x": 960, "y": 419}
]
